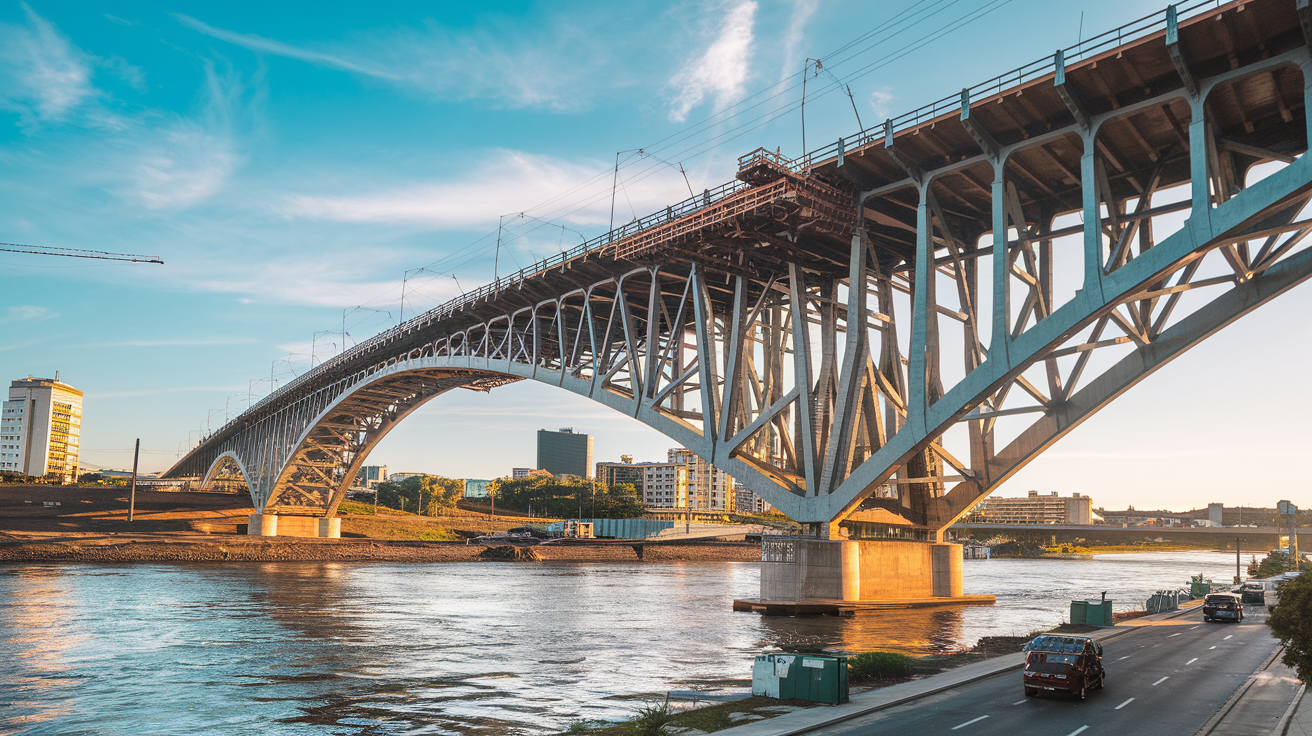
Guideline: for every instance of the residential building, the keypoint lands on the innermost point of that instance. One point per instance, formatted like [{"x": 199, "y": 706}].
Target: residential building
[
  {"x": 565, "y": 452},
  {"x": 709, "y": 488},
  {"x": 746, "y": 502},
  {"x": 1034, "y": 509},
  {"x": 371, "y": 475},
  {"x": 517, "y": 473},
  {"x": 664, "y": 485},
  {"x": 476, "y": 488},
  {"x": 41, "y": 428}
]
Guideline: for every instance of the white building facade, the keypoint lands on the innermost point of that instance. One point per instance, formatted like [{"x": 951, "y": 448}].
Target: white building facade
[
  {"x": 41, "y": 429},
  {"x": 664, "y": 485},
  {"x": 709, "y": 488}
]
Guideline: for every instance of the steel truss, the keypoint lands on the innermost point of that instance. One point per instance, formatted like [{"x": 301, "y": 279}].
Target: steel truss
[{"x": 818, "y": 380}]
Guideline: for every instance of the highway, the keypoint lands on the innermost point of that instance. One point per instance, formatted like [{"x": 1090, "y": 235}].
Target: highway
[{"x": 1168, "y": 677}]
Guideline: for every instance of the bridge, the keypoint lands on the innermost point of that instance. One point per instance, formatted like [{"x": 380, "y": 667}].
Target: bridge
[
  {"x": 877, "y": 335},
  {"x": 1256, "y": 539}
]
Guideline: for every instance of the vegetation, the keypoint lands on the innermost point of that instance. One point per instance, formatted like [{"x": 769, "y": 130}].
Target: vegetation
[
  {"x": 567, "y": 498},
  {"x": 649, "y": 719},
  {"x": 7, "y": 476},
  {"x": 427, "y": 495},
  {"x": 880, "y": 665},
  {"x": 1276, "y": 563},
  {"x": 1291, "y": 622}
]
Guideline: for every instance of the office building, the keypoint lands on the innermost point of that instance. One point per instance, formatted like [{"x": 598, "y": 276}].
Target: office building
[
  {"x": 709, "y": 488},
  {"x": 1034, "y": 509},
  {"x": 565, "y": 452},
  {"x": 613, "y": 474},
  {"x": 370, "y": 476},
  {"x": 41, "y": 429}
]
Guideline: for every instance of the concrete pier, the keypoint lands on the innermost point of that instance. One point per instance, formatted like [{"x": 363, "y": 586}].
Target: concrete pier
[
  {"x": 801, "y": 574},
  {"x": 273, "y": 525}
]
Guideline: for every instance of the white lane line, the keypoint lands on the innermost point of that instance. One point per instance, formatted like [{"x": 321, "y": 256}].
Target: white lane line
[
  {"x": 1195, "y": 659},
  {"x": 1164, "y": 679},
  {"x": 1196, "y": 627},
  {"x": 1020, "y": 702},
  {"x": 1227, "y": 636},
  {"x": 1122, "y": 705},
  {"x": 1125, "y": 657},
  {"x": 1078, "y": 731},
  {"x": 1175, "y": 634},
  {"x": 967, "y": 723},
  {"x": 1212, "y": 647}
]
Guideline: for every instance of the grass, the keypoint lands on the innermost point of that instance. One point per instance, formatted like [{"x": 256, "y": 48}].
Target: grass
[
  {"x": 880, "y": 665},
  {"x": 708, "y": 719}
]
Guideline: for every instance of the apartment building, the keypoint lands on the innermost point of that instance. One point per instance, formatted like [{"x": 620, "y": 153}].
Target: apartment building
[
  {"x": 41, "y": 428},
  {"x": 709, "y": 488}
]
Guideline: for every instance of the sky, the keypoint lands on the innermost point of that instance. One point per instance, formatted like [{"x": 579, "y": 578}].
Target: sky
[{"x": 300, "y": 173}]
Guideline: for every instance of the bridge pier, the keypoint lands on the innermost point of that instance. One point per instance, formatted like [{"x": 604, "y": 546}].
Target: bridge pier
[
  {"x": 805, "y": 575},
  {"x": 274, "y": 525}
]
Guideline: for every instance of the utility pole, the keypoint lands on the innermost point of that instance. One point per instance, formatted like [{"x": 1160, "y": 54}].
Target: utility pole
[
  {"x": 1238, "y": 540},
  {"x": 132, "y": 494}
]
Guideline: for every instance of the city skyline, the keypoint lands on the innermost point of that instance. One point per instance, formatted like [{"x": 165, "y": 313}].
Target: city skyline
[{"x": 261, "y": 158}]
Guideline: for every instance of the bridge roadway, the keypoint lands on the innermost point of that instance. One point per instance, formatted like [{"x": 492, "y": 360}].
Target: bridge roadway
[
  {"x": 1166, "y": 678},
  {"x": 1253, "y": 537}
]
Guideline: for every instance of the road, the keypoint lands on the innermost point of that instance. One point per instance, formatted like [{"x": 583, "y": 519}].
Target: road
[{"x": 1168, "y": 677}]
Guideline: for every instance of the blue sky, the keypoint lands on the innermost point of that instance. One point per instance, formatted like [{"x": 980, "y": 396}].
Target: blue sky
[{"x": 290, "y": 165}]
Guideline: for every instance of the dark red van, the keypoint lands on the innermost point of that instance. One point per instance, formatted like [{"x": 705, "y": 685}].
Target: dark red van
[{"x": 1063, "y": 664}]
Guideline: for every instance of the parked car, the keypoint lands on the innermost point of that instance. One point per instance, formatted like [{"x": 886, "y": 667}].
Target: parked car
[
  {"x": 1065, "y": 664},
  {"x": 1253, "y": 593},
  {"x": 1223, "y": 607}
]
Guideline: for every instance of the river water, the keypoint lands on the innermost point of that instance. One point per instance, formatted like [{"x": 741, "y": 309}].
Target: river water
[{"x": 466, "y": 648}]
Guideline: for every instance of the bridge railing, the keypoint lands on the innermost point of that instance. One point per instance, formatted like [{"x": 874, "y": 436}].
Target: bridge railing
[{"x": 1134, "y": 30}]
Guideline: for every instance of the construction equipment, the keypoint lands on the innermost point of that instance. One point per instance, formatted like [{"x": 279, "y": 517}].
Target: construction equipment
[{"x": 77, "y": 253}]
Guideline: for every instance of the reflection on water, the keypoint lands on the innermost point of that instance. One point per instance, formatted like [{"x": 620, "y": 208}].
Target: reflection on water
[{"x": 496, "y": 648}]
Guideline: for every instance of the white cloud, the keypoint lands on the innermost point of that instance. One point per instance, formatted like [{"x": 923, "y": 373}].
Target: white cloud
[
  {"x": 721, "y": 71},
  {"x": 881, "y": 101},
  {"x": 43, "y": 77},
  {"x": 797, "y": 20},
  {"x": 532, "y": 67},
  {"x": 27, "y": 313}
]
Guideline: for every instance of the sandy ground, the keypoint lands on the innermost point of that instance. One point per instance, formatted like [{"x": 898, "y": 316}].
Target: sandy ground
[{"x": 68, "y": 524}]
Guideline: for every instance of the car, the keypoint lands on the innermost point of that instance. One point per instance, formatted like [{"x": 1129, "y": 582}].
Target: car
[
  {"x": 1253, "y": 593},
  {"x": 1063, "y": 664},
  {"x": 1223, "y": 607}
]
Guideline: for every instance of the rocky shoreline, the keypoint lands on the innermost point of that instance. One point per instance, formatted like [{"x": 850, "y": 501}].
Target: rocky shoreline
[{"x": 254, "y": 549}]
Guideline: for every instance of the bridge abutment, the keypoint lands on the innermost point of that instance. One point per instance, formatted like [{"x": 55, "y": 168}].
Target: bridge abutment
[
  {"x": 274, "y": 525},
  {"x": 801, "y": 575}
]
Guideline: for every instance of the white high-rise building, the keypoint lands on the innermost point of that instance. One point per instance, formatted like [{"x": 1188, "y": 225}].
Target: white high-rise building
[{"x": 41, "y": 428}]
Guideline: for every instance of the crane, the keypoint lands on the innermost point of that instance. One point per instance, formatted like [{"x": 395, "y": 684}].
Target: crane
[{"x": 77, "y": 253}]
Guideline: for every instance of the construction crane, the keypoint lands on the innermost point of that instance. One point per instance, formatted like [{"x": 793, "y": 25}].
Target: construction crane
[{"x": 77, "y": 253}]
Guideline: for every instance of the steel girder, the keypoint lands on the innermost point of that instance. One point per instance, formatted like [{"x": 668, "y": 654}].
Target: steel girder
[{"x": 823, "y": 391}]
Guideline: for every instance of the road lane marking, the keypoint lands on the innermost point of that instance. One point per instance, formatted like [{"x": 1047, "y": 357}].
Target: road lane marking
[
  {"x": 1212, "y": 647},
  {"x": 1122, "y": 705},
  {"x": 1195, "y": 659},
  {"x": 1164, "y": 679},
  {"x": 1078, "y": 731},
  {"x": 1175, "y": 634},
  {"x": 1227, "y": 636},
  {"x": 1197, "y": 627},
  {"x": 1125, "y": 657},
  {"x": 1020, "y": 702},
  {"x": 967, "y": 723}
]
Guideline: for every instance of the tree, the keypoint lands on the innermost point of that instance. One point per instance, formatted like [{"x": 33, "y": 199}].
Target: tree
[
  {"x": 1291, "y": 623},
  {"x": 568, "y": 497},
  {"x": 428, "y": 495}
]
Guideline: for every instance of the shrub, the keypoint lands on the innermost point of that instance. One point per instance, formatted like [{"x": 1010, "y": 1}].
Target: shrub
[
  {"x": 880, "y": 665},
  {"x": 650, "y": 718},
  {"x": 1291, "y": 622}
]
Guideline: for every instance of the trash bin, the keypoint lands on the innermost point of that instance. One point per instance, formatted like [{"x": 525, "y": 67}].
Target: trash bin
[
  {"x": 821, "y": 678},
  {"x": 1079, "y": 611}
]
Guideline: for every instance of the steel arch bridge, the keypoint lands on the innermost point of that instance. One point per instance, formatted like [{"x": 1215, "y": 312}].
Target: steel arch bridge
[{"x": 881, "y": 333}]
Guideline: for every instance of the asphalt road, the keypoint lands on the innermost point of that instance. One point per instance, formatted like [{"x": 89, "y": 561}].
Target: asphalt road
[{"x": 1166, "y": 678}]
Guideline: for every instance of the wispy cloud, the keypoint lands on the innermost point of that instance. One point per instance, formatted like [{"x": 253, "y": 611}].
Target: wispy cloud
[
  {"x": 797, "y": 19},
  {"x": 176, "y": 342},
  {"x": 27, "y": 313},
  {"x": 721, "y": 71},
  {"x": 43, "y": 77},
  {"x": 881, "y": 101},
  {"x": 517, "y": 66}
]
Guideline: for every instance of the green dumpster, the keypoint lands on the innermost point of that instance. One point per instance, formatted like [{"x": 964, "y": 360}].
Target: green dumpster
[
  {"x": 1079, "y": 612},
  {"x": 820, "y": 678}
]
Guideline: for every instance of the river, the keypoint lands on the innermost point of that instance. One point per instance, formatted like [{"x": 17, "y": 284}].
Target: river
[{"x": 461, "y": 648}]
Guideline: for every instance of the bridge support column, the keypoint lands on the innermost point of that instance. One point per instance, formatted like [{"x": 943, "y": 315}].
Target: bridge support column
[
  {"x": 273, "y": 525},
  {"x": 809, "y": 575}
]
